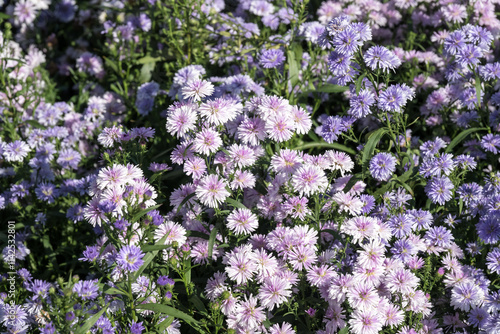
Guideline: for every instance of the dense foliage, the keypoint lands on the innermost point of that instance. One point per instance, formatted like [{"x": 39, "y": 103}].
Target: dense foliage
[{"x": 250, "y": 166}]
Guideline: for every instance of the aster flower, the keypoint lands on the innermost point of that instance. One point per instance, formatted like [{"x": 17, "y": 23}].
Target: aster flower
[
  {"x": 195, "y": 90},
  {"x": 109, "y": 136},
  {"x": 241, "y": 266},
  {"x": 280, "y": 128},
  {"x": 207, "y": 141},
  {"x": 380, "y": 57},
  {"x": 331, "y": 128},
  {"x": 439, "y": 189},
  {"x": 360, "y": 104},
  {"x": 395, "y": 97},
  {"x": 113, "y": 176},
  {"x": 285, "y": 328},
  {"x": 220, "y": 111},
  {"x": 365, "y": 321},
  {"x": 252, "y": 130},
  {"x": 274, "y": 292},
  {"x": 493, "y": 260},
  {"x": 362, "y": 296},
  {"x": 69, "y": 158},
  {"x": 242, "y": 221},
  {"x": 196, "y": 167},
  {"x": 272, "y": 58},
  {"x": 347, "y": 41},
  {"x": 16, "y": 151},
  {"x": 87, "y": 290},
  {"x": 129, "y": 258},
  {"x": 382, "y": 166},
  {"x": 309, "y": 179},
  {"x": 181, "y": 120},
  {"x": 248, "y": 314},
  {"x": 466, "y": 295},
  {"x": 174, "y": 232},
  {"x": 211, "y": 191}
]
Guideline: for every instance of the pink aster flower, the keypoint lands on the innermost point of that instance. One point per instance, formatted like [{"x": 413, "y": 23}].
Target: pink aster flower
[
  {"x": 252, "y": 130},
  {"x": 242, "y": 155},
  {"x": 195, "y": 90},
  {"x": 211, "y": 191},
  {"x": 363, "y": 296},
  {"x": 285, "y": 328},
  {"x": 112, "y": 176},
  {"x": 301, "y": 119},
  {"x": 286, "y": 161},
  {"x": 196, "y": 167},
  {"x": 242, "y": 221},
  {"x": 309, "y": 179},
  {"x": 242, "y": 180},
  {"x": 181, "y": 120},
  {"x": 348, "y": 202},
  {"x": 302, "y": 257},
  {"x": 274, "y": 292},
  {"x": 241, "y": 266},
  {"x": 173, "y": 231},
  {"x": 207, "y": 141},
  {"x": 401, "y": 280},
  {"x": 366, "y": 321},
  {"x": 248, "y": 315},
  {"x": 280, "y": 128},
  {"x": 220, "y": 110}
]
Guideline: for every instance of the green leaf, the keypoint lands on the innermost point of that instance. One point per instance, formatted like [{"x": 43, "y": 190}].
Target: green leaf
[
  {"x": 112, "y": 64},
  {"x": 148, "y": 258},
  {"x": 35, "y": 124},
  {"x": 148, "y": 59},
  {"x": 294, "y": 55},
  {"x": 196, "y": 301},
  {"x": 478, "y": 90},
  {"x": 235, "y": 203},
  {"x": 331, "y": 88},
  {"x": 184, "y": 201},
  {"x": 170, "y": 311},
  {"x": 90, "y": 322},
  {"x": 143, "y": 212},
  {"x": 359, "y": 81},
  {"x": 461, "y": 136},
  {"x": 336, "y": 146},
  {"x": 164, "y": 324},
  {"x": 150, "y": 248},
  {"x": 369, "y": 148},
  {"x": 352, "y": 181},
  {"x": 344, "y": 330},
  {"x": 146, "y": 72},
  {"x": 211, "y": 241}
]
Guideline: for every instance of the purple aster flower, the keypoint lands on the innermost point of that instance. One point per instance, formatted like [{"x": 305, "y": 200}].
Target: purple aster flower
[
  {"x": 130, "y": 258},
  {"x": 395, "y": 97},
  {"x": 272, "y": 58},
  {"x": 165, "y": 280},
  {"x": 468, "y": 55},
  {"x": 136, "y": 327},
  {"x": 360, "y": 104},
  {"x": 144, "y": 22},
  {"x": 491, "y": 143},
  {"x": 339, "y": 64},
  {"x": 401, "y": 225},
  {"x": 403, "y": 250},
  {"x": 40, "y": 288},
  {"x": 156, "y": 167},
  {"x": 47, "y": 192},
  {"x": 382, "y": 166},
  {"x": 242, "y": 221},
  {"x": 490, "y": 71},
  {"x": 274, "y": 292},
  {"x": 439, "y": 189},
  {"x": 87, "y": 290},
  {"x": 145, "y": 97},
  {"x": 90, "y": 254},
  {"x": 65, "y": 10},
  {"x": 211, "y": 191},
  {"x": 381, "y": 57},
  {"x": 16, "y": 151},
  {"x": 338, "y": 24},
  {"x": 466, "y": 295},
  {"x": 69, "y": 158},
  {"x": 439, "y": 236},
  {"x": 331, "y": 128},
  {"x": 454, "y": 42},
  {"x": 493, "y": 260},
  {"x": 347, "y": 41},
  {"x": 488, "y": 228}
]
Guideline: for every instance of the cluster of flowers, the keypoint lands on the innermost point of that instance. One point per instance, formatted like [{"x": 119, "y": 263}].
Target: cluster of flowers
[{"x": 258, "y": 234}]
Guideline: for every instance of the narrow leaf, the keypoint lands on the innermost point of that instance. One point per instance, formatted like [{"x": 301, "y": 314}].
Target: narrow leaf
[
  {"x": 461, "y": 136},
  {"x": 235, "y": 203},
  {"x": 143, "y": 212},
  {"x": 170, "y": 311},
  {"x": 211, "y": 241},
  {"x": 369, "y": 148},
  {"x": 90, "y": 322},
  {"x": 148, "y": 258},
  {"x": 336, "y": 146}
]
